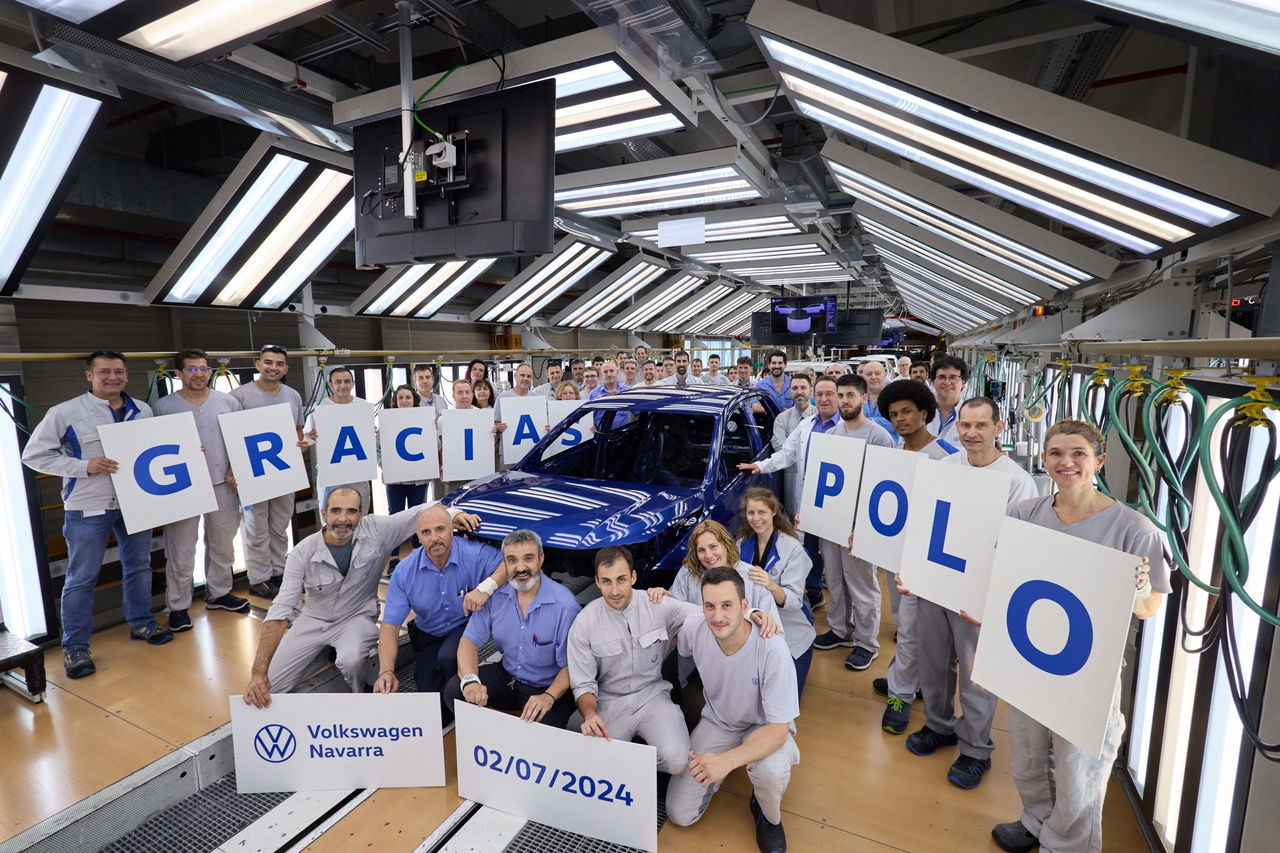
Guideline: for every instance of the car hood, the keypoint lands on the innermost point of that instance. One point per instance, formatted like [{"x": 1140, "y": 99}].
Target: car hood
[{"x": 573, "y": 513}]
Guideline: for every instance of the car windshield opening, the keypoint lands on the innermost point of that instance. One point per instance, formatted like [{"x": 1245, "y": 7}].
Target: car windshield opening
[{"x": 647, "y": 448}]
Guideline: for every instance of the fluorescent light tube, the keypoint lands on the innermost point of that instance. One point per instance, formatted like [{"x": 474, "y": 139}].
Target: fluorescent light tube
[
  {"x": 468, "y": 275},
  {"x": 409, "y": 276},
  {"x": 781, "y": 269},
  {"x": 436, "y": 275},
  {"x": 312, "y": 258},
  {"x": 557, "y": 284},
  {"x": 75, "y": 11},
  {"x": 250, "y": 211},
  {"x": 205, "y": 24},
  {"x": 558, "y": 260},
  {"x": 1251, "y": 23},
  {"x": 720, "y": 310},
  {"x": 50, "y": 139},
  {"x": 638, "y": 314},
  {"x": 20, "y": 579},
  {"x": 647, "y": 126},
  {"x": 602, "y": 108},
  {"x": 730, "y": 256},
  {"x": 743, "y": 229},
  {"x": 701, "y": 301},
  {"x": 588, "y": 78},
  {"x": 929, "y": 281},
  {"x": 626, "y": 285}
]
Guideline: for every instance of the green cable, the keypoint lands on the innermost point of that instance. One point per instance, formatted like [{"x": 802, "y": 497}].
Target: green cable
[
  {"x": 423, "y": 96},
  {"x": 30, "y": 408},
  {"x": 1141, "y": 457}
]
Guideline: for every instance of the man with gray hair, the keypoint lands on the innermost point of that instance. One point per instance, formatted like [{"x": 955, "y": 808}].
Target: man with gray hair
[
  {"x": 338, "y": 569},
  {"x": 528, "y": 621}
]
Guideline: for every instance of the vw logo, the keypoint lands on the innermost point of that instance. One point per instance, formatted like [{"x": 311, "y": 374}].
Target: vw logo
[{"x": 274, "y": 743}]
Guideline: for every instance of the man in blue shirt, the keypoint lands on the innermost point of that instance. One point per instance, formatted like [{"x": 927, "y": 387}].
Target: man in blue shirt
[
  {"x": 776, "y": 383},
  {"x": 442, "y": 582},
  {"x": 528, "y": 620}
]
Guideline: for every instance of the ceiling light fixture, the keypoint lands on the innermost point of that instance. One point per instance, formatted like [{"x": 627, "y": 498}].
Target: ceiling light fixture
[
  {"x": 737, "y": 224},
  {"x": 680, "y": 317},
  {"x": 622, "y": 284},
  {"x": 420, "y": 290},
  {"x": 687, "y": 180},
  {"x": 735, "y": 321},
  {"x": 770, "y": 248},
  {"x": 663, "y": 297},
  {"x": 540, "y": 282}
]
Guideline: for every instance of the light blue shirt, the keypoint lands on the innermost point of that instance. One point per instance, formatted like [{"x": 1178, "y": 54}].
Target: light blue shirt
[
  {"x": 534, "y": 647},
  {"x": 435, "y": 595},
  {"x": 783, "y": 397},
  {"x": 872, "y": 411}
]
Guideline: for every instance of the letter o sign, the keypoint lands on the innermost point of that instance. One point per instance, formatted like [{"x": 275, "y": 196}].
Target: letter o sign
[{"x": 1079, "y": 645}]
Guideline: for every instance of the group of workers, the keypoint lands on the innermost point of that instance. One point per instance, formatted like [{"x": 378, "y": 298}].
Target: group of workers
[{"x": 737, "y": 620}]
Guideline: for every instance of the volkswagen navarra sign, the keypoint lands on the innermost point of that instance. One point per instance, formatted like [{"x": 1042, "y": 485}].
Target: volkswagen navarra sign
[{"x": 328, "y": 741}]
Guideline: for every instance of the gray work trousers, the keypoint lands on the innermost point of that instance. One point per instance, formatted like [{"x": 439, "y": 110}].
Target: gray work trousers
[
  {"x": 945, "y": 644},
  {"x": 1062, "y": 788},
  {"x": 854, "y": 590},
  {"x": 265, "y": 531},
  {"x": 904, "y": 678},
  {"x": 180, "y": 551},
  {"x": 687, "y": 800},
  {"x": 658, "y": 722},
  {"x": 299, "y": 650}
]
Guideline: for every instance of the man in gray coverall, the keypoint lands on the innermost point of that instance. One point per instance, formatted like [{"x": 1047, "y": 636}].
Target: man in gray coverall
[{"x": 339, "y": 568}]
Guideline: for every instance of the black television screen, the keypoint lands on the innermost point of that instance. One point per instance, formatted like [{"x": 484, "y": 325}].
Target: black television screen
[
  {"x": 802, "y": 315},
  {"x": 762, "y": 334},
  {"x": 497, "y": 201}
]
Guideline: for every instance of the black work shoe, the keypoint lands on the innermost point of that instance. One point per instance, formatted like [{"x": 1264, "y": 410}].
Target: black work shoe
[
  {"x": 966, "y": 772},
  {"x": 831, "y": 640},
  {"x": 860, "y": 658},
  {"x": 816, "y": 602},
  {"x": 1014, "y": 837},
  {"x": 880, "y": 687},
  {"x": 78, "y": 664},
  {"x": 179, "y": 620},
  {"x": 152, "y": 633},
  {"x": 266, "y": 589},
  {"x": 770, "y": 837},
  {"x": 925, "y": 741},
  {"x": 234, "y": 603}
]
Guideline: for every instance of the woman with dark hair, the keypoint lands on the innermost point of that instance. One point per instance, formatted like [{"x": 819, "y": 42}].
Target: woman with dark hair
[
  {"x": 477, "y": 369},
  {"x": 401, "y": 496},
  {"x": 482, "y": 393},
  {"x": 779, "y": 565}
]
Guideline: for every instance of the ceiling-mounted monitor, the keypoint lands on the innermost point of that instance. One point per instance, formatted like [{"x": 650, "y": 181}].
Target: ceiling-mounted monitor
[{"x": 802, "y": 315}]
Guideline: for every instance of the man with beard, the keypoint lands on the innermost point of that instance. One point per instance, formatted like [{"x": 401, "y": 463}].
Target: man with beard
[
  {"x": 920, "y": 372},
  {"x": 649, "y": 370},
  {"x": 338, "y": 568},
  {"x": 681, "y": 378},
  {"x": 777, "y": 384},
  {"x": 802, "y": 409},
  {"x": 576, "y": 369},
  {"x": 528, "y": 620}
]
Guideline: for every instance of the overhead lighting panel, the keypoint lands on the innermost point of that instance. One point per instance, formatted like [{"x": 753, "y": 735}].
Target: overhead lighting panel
[
  {"x": 909, "y": 287},
  {"x": 726, "y": 307},
  {"x": 766, "y": 249},
  {"x": 1019, "y": 245},
  {"x": 928, "y": 280},
  {"x": 1119, "y": 180},
  {"x": 1254, "y": 24},
  {"x": 686, "y": 180},
  {"x": 806, "y": 278},
  {"x": 663, "y": 297},
  {"x": 799, "y": 267},
  {"x": 738, "y": 319},
  {"x": 543, "y": 280},
  {"x": 276, "y": 220},
  {"x": 679, "y": 318},
  {"x": 48, "y": 113},
  {"x": 602, "y": 95},
  {"x": 624, "y": 283},
  {"x": 420, "y": 290},
  {"x": 738, "y": 223}
]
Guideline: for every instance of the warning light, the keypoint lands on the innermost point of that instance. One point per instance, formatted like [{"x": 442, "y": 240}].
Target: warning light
[
  {"x": 1038, "y": 311},
  {"x": 1235, "y": 303}
]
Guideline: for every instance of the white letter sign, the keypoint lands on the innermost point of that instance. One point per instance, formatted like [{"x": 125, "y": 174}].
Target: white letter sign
[
  {"x": 950, "y": 540},
  {"x": 262, "y": 447},
  {"x": 345, "y": 444},
  {"x": 1055, "y": 630},
  {"x": 526, "y": 420},
  {"x": 887, "y": 478},
  {"x": 468, "y": 443},
  {"x": 410, "y": 451},
  {"x": 830, "y": 495},
  {"x": 162, "y": 475},
  {"x": 333, "y": 741},
  {"x": 605, "y": 789},
  {"x": 573, "y": 436}
]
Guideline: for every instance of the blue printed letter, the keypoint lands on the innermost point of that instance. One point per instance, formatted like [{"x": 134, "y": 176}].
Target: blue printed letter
[
  {"x": 468, "y": 444},
  {"x": 571, "y": 436},
  {"x": 264, "y": 447},
  {"x": 348, "y": 444},
  {"x": 938, "y": 539},
  {"x": 181, "y": 477},
  {"x": 830, "y": 482},
  {"x": 403, "y": 451},
  {"x": 1075, "y": 654},
  {"x": 894, "y": 527},
  {"x": 525, "y": 430}
]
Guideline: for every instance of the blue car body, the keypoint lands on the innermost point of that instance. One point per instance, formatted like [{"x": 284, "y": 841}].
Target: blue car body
[{"x": 659, "y": 460}]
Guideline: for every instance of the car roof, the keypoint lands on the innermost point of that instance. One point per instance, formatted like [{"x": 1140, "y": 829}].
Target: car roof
[{"x": 703, "y": 400}]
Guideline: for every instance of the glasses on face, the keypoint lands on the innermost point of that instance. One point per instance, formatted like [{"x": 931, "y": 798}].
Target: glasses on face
[
  {"x": 944, "y": 378},
  {"x": 197, "y": 370}
]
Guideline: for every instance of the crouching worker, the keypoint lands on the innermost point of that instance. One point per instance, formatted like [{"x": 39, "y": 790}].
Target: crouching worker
[
  {"x": 751, "y": 704},
  {"x": 338, "y": 569},
  {"x": 528, "y": 620},
  {"x": 616, "y": 649}
]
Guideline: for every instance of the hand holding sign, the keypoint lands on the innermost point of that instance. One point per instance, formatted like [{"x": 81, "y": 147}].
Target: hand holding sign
[
  {"x": 345, "y": 443},
  {"x": 262, "y": 449},
  {"x": 161, "y": 476},
  {"x": 408, "y": 443},
  {"x": 833, "y": 472},
  {"x": 527, "y": 417}
]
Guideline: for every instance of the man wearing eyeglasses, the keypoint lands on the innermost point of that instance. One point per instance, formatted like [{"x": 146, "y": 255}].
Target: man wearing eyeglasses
[
  {"x": 205, "y": 404},
  {"x": 266, "y": 523},
  {"x": 949, "y": 375}
]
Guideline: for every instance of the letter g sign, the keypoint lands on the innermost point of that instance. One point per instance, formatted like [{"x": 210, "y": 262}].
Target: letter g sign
[{"x": 179, "y": 476}]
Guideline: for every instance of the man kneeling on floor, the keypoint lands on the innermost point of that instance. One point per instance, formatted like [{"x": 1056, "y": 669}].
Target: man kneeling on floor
[
  {"x": 338, "y": 568},
  {"x": 616, "y": 649},
  {"x": 751, "y": 704},
  {"x": 443, "y": 583},
  {"x": 528, "y": 620}
]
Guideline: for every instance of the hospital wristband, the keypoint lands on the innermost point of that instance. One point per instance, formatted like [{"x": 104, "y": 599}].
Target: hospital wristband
[
  {"x": 487, "y": 586},
  {"x": 469, "y": 679}
]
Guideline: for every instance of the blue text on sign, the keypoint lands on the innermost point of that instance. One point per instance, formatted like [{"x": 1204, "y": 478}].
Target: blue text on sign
[
  {"x": 1075, "y": 653},
  {"x": 179, "y": 476}
]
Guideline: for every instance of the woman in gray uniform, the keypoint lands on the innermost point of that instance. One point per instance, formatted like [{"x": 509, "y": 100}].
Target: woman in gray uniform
[{"x": 1063, "y": 788}]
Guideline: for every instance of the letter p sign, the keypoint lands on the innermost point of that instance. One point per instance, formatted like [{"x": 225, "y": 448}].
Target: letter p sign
[
  {"x": 829, "y": 497},
  {"x": 830, "y": 483}
]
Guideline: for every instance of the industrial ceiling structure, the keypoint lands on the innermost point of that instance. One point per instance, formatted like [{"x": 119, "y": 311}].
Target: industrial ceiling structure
[{"x": 964, "y": 164}]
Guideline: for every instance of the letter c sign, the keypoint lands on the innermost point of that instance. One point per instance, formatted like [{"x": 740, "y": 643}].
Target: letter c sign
[{"x": 1075, "y": 654}]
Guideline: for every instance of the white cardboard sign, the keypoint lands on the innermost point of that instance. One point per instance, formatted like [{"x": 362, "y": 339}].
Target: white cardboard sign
[
  {"x": 467, "y": 436},
  {"x": 410, "y": 449},
  {"x": 888, "y": 475},
  {"x": 262, "y": 447},
  {"x": 526, "y": 420},
  {"x": 1055, "y": 630},
  {"x": 336, "y": 741},
  {"x": 950, "y": 540},
  {"x": 558, "y": 411},
  {"x": 605, "y": 789},
  {"x": 162, "y": 475},
  {"x": 345, "y": 444},
  {"x": 829, "y": 499}
]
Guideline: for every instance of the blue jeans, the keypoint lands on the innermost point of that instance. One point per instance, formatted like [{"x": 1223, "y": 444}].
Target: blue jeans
[
  {"x": 401, "y": 496},
  {"x": 86, "y": 545},
  {"x": 802, "y": 669}
]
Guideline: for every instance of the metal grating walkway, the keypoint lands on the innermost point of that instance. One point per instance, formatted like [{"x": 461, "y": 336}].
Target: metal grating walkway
[{"x": 539, "y": 838}]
